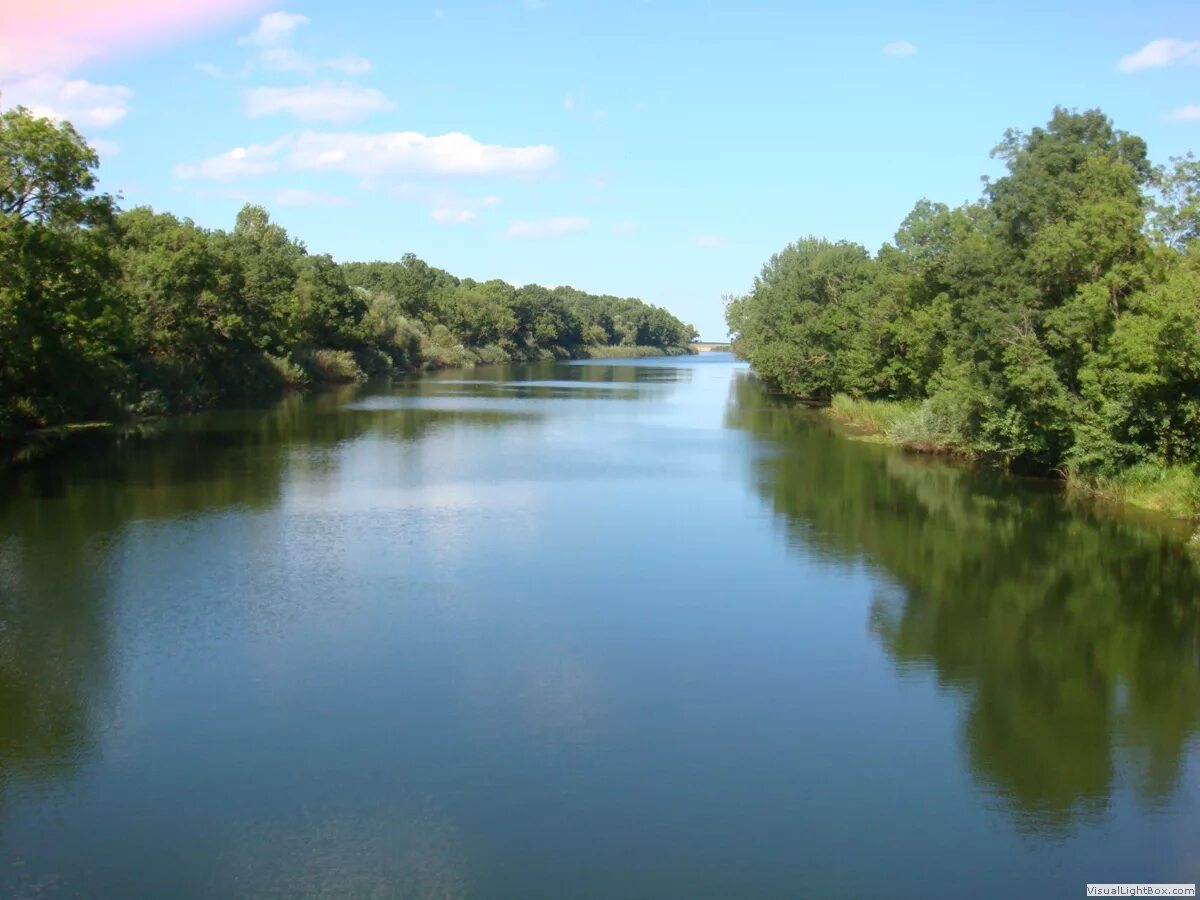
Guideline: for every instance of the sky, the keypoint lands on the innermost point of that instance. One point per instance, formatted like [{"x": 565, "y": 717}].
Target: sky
[{"x": 653, "y": 148}]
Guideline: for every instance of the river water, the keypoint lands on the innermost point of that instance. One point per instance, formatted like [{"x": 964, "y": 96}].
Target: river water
[{"x": 622, "y": 629}]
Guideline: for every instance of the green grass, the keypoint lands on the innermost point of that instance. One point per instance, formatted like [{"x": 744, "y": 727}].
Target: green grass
[
  {"x": 915, "y": 426},
  {"x": 1173, "y": 490},
  {"x": 1170, "y": 490},
  {"x": 874, "y": 417}
]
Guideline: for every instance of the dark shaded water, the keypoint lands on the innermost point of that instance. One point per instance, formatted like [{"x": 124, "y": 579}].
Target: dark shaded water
[{"x": 595, "y": 630}]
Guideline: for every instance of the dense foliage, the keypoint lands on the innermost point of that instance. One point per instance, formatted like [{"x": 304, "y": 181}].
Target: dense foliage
[
  {"x": 1055, "y": 322},
  {"x": 105, "y": 313}
]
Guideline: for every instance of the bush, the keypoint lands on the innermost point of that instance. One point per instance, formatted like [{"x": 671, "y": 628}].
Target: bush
[
  {"x": 872, "y": 416},
  {"x": 333, "y": 367},
  {"x": 152, "y": 403},
  {"x": 1174, "y": 490},
  {"x": 374, "y": 362},
  {"x": 490, "y": 354},
  {"x": 287, "y": 372},
  {"x": 934, "y": 426}
]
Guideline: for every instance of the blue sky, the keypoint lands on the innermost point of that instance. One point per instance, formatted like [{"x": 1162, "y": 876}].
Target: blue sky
[{"x": 651, "y": 148}]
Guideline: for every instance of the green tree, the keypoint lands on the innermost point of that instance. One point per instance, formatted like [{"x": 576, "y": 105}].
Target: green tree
[
  {"x": 63, "y": 326},
  {"x": 797, "y": 325}
]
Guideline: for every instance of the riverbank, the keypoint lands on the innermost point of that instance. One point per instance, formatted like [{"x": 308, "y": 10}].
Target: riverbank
[
  {"x": 324, "y": 367},
  {"x": 316, "y": 370},
  {"x": 1171, "y": 490}
]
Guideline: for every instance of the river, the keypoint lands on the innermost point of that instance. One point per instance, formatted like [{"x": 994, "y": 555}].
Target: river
[{"x": 606, "y": 629}]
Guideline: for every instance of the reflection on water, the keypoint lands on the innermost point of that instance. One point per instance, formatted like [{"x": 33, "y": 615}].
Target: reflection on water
[
  {"x": 592, "y": 630},
  {"x": 1074, "y": 638}
]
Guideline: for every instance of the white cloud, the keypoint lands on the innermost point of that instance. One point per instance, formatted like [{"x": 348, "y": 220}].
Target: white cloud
[
  {"x": 708, "y": 240},
  {"x": 1162, "y": 52},
  {"x": 273, "y": 36},
  {"x": 240, "y": 162},
  {"x": 569, "y": 103},
  {"x": 336, "y": 103},
  {"x": 305, "y": 197},
  {"x": 372, "y": 155},
  {"x": 544, "y": 228},
  {"x": 491, "y": 201},
  {"x": 409, "y": 152},
  {"x": 899, "y": 49},
  {"x": 84, "y": 104},
  {"x": 1190, "y": 113},
  {"x": 274, "y": 28},
  {"x": 625, "y": 228}
]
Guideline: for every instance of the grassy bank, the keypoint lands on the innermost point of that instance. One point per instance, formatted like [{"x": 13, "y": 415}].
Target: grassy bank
[
  {"x": 1171, "y": 490},
  {"x": 914, "y": 426}
]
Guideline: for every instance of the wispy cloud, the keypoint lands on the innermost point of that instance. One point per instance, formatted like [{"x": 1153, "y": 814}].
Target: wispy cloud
[
  {"x": 1190, "y": 113},
  {"x": 625, "y": 228},
  {"x": 337, "y": 103},
  {"x": 546, "y": 228},
  {"x": 273, "y": 38},
  {"x": 708, "y": 240},
  {"x": 409, "y": 152},
  {"x": 274, "y": 29},
  {"x": 569, "y": 103},
  {"x": 240, "y": 162},
  {"x": 375, "y": 154},
  {"x": 1162, "y": 52},
  {"x": 84, "y": 104},
  {"x": 899, "y": 49}
]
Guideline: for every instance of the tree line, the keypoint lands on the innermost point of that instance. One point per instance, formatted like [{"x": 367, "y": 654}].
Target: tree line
[
  {"x": 1053, "y": 323},
  {"x": 107, "y": 313}
]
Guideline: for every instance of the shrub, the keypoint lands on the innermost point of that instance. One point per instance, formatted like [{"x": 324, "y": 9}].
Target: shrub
[{"x": 333, "y": 367}]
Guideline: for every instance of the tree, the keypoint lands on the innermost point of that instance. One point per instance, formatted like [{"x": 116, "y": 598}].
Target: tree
[
  {"x": 1176, "y": 219},
  {"x": 63, "y": 325},
  {"x": 798, "y": 322},
  {"x": 46, "y": 173}
]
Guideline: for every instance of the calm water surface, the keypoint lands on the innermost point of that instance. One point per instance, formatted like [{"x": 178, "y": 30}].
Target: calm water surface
[{"x": 598, "y": 630}]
